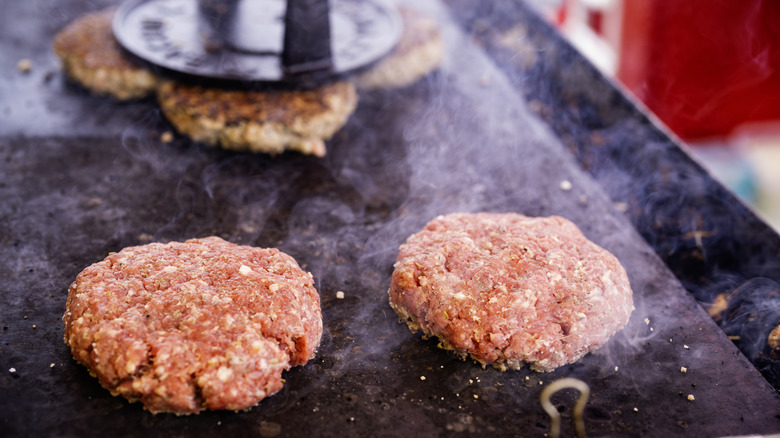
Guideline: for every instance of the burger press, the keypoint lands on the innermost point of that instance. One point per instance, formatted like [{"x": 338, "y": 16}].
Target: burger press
[{"x": 258, "y": 41}]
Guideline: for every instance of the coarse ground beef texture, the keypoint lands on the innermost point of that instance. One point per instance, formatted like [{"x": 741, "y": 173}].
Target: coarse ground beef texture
[
  {"x": 507, "y": 289},
  {"x": 183, "y": 327}
]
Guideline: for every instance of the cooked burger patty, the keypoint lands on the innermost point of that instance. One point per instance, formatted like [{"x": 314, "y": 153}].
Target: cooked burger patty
[
  {"x": 92, "y": 57},
  {"x": 183, "y": 327},
  {"x": 507, "y": 289},
  {"x": 259, "y": 121},
  {"x": 419, "y": 52}
]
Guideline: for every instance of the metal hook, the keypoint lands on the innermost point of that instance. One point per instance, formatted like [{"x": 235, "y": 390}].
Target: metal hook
[{"x": 579, "y": 407}]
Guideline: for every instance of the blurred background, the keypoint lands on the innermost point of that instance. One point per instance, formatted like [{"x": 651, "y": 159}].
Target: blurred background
[{"x": 708, "y": 69}]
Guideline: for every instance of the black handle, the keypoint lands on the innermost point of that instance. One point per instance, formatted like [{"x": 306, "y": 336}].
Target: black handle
[{"x": 306, "y": 37}]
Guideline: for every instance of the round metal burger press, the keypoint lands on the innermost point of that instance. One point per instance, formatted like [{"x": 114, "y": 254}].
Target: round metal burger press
[{"x": 258, "y": 40}]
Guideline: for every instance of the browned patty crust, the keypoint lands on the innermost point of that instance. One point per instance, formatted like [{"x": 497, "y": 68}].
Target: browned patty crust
[
  {"x": 183, "y": 327},
  {"x": 419, "y": 52},
  {"x": 507, "y": 288},
  {"x": 92, "y": 57},
  {"x": 268, "y": 121}
]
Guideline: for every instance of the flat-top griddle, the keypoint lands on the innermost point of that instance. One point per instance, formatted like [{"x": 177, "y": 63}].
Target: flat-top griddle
[{"x": 84, "y": 176}]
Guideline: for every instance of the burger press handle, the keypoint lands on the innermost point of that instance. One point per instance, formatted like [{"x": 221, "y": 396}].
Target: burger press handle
[
  {"x": 306, "y": 45},
  {"x": 306, "y": 37}
]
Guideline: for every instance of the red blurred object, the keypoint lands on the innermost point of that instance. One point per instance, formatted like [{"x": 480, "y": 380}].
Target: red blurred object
[
  {"x": 596, "y": 21},
  {"x": 703, "y": 66}
]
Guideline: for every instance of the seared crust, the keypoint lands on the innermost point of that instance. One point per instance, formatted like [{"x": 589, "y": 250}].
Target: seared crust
[
  {"x": 259, "y": 121},
  {"x": 92, "y": 57},
  {"x": 507, "y": 289},
  {"x": 183, "y": 327},
  {"x": 419, "y": 52}
]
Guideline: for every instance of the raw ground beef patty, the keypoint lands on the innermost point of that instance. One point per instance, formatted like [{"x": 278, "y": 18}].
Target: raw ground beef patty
[
  {"x": 507, "y": 289},
  {"x": 183, "y": 327}
]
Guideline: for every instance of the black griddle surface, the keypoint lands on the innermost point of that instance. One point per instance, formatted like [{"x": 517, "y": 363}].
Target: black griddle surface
[{"x": 83, "y": 176}]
